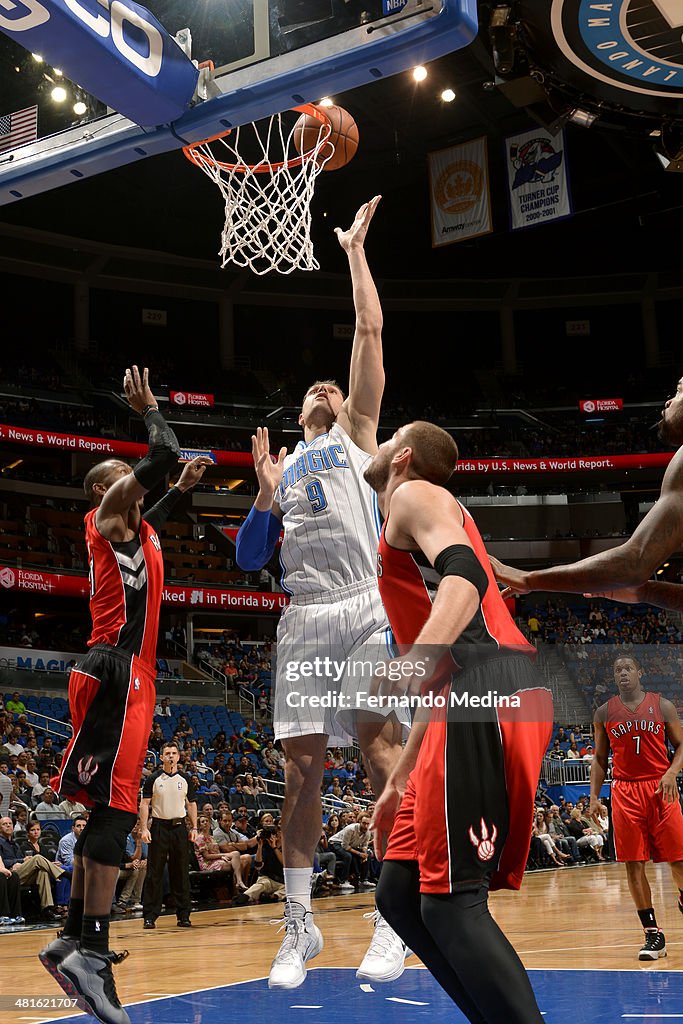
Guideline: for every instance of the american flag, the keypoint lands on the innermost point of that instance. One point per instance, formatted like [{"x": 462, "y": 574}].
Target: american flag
[{"x": 18, "y": 128}]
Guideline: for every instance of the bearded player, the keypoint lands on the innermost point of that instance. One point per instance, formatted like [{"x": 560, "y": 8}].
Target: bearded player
[
  {"x": 331, "y": 527},
  {"x": 112, "y": 696},
  {"x": 461, "y": 798},
  {"x": 646, "y": 809}
]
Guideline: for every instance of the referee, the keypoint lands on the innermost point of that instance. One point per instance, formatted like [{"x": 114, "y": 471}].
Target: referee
[{"x": 170, "y": 795}]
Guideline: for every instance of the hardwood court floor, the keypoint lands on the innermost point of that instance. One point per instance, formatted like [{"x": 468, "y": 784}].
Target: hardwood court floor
[{"x": 578, "y": 919}]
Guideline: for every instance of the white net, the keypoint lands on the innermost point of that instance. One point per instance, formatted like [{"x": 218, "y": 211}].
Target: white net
[{"x": 267, "y": 187}]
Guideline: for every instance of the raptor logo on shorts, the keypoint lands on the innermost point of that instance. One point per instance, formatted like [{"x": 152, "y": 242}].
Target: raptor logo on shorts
[
  {"x": 485, "y": 847},
  {"x": 87, "y": 768}
]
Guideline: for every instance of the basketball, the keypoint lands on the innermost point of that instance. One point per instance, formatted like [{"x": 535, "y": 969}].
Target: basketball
[{"x": 342, "y": 143}]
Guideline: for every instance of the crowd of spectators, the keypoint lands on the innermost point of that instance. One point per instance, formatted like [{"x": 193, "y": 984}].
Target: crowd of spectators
[
  {"x": 480, "y": 433},
  {"x": 557, "y": 621},
  {"x": 238, "y": 778},
  {"x": 51, "y": 536},
  {"x": 587, "y": 633},
  {"x": 244, "y": 666}
]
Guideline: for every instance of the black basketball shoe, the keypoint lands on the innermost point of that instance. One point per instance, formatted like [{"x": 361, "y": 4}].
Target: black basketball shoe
[
  {"x": 91, "y": 975},
  {"x": 654, "y": 945}
]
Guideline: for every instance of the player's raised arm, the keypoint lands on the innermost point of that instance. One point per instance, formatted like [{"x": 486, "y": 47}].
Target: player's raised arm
[
  {"x": 359, "y": 415},
  {"x": 260, "y": 531},
  {"x": 628, "y": 565},
  {"x": 161, "y": 458},
  {"x": 192, "y": 473}
]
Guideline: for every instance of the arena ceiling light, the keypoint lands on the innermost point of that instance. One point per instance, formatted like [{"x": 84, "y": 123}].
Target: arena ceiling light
[
  {"x": 80, "y": 108},
  {"x": 326, "y": 101},
  {"x": 58, "y": 94},
  {"x": 583, "y": 118},
  {"x": 419, "y": 73},
  {"x": 447, "y": 95},
  {"x": 37, "y": 58}
]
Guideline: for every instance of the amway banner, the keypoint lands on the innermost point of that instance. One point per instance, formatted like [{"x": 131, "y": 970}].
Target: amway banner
[
  {"x": 110, "y": 446},
  {"x": 12, "y": 578},
  {"x": 601, "y": 405},
  {"x": 192, "y": 398},
  {"x": 459, "y": 192},
  {"x": 537, "y": 178}
]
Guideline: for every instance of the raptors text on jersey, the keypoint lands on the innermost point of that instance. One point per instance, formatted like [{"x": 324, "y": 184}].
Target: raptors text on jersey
[{"x": 637, "y": 738}]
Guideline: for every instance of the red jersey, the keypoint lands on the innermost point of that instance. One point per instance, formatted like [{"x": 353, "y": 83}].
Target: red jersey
[
  {"x": 126, "y": 580},
  {"x": 406, "y": 590},
  {"x": 638, "y": 739}
]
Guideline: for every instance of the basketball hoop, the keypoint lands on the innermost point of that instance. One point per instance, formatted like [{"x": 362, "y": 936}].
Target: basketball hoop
[{"x": 267, "y": 187}]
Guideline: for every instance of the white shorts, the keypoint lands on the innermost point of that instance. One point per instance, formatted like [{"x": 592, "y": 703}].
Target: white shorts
[{"x": 352, "y": 632}]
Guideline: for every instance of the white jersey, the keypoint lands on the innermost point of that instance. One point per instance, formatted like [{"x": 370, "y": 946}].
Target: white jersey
[{"x": 329, "y": 514}]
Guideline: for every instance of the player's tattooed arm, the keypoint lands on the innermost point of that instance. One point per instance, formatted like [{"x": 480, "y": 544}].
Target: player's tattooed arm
[
  {"x": 624, "y": 567},
  {"x": 359, "y": 415}
]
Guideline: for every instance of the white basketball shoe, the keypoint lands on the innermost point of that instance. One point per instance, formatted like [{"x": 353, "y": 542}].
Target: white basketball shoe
[
  {"x": 303, "y": 940},
  {"x": 386, "y": 955}
]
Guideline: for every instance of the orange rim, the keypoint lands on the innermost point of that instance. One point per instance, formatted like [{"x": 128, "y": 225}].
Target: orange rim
[{"x": 203, "y": 160}]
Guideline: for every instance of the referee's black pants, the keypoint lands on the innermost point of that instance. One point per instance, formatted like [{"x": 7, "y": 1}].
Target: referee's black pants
[{"x": 169, "y": 842}]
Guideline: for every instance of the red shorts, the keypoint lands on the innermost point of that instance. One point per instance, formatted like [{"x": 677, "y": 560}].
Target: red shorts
[
  {"x": 111, "y": 700},
  {"x": 645, "y": 828},
  {"x": 466, "y": 814}
]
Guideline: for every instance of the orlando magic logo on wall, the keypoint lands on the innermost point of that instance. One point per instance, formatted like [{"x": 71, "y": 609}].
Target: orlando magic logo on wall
[{"x": 630, "y": 50}]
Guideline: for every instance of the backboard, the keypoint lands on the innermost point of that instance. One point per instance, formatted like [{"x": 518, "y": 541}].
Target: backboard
[{"x": 269, "y": 55}]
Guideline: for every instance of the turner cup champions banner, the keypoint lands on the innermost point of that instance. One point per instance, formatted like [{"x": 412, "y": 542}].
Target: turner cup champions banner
[
  {"x": 459, "y": 192},
  {"x": 537, "y": 178}
]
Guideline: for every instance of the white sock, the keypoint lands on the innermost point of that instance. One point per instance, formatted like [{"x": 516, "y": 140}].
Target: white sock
[{"x": 298, "y": 885}]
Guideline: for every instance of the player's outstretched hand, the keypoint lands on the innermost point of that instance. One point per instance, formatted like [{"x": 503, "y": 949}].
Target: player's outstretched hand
[
  {"x": 269, "y": 473},
  {"x": 514, "y": 579},
  {"x": 193, "y": 472},
  {"x": 354, "y": 237},
  {"x": 668, "y": 788},
  {"x": 137, "y": 389}
]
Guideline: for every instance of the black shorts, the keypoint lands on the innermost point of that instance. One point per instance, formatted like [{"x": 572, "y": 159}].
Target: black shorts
[
  {"x": 467, "y": 811},
  {"x": 111, "y": 700}
]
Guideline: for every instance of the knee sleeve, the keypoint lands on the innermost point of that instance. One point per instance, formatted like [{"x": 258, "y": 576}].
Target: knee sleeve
[{"x": 104, "y": 837}]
